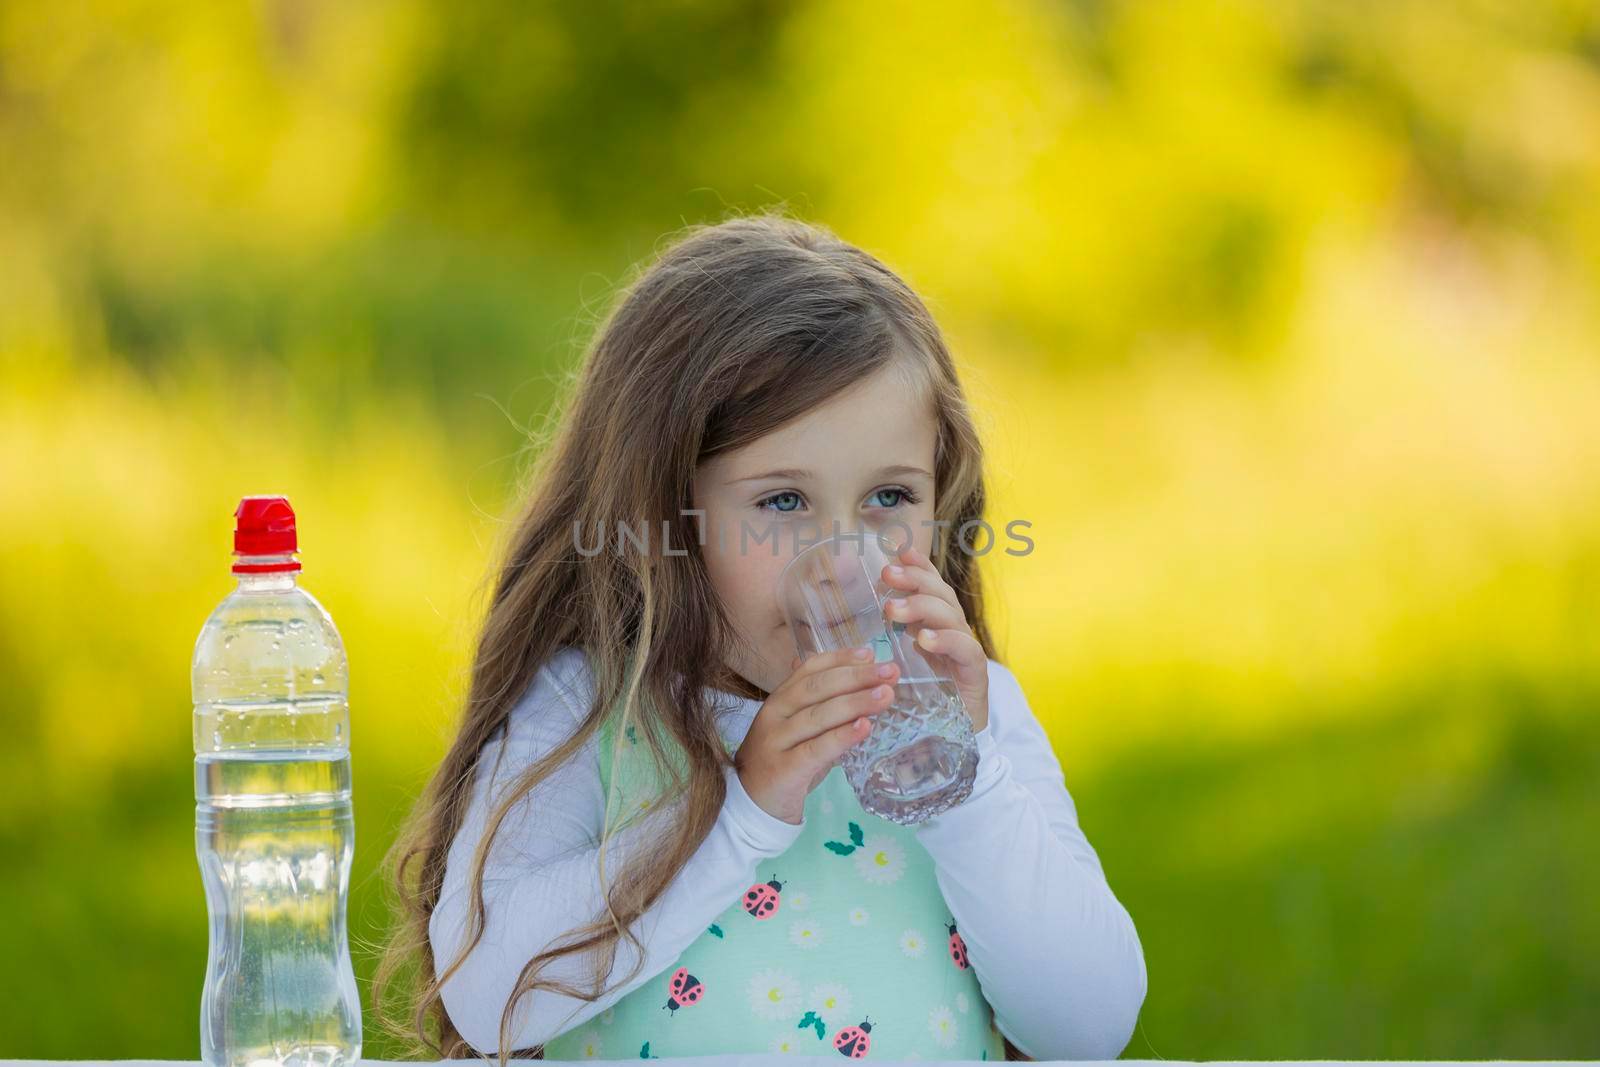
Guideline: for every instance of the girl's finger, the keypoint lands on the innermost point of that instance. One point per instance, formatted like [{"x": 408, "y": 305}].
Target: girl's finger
[
  {"x": 919, "y": 578},
  {"x": 959, "y": 646},
  {"x": 926, "y": 609},
  {"x": 808, "y": 687},
  {"x": 822, "y": 717},
  {"x": 825, "y": 749},
  {"x": 822, "y": 661},
  {"x": 806, "y": 667},
  {"x": 912, "y": 556}
]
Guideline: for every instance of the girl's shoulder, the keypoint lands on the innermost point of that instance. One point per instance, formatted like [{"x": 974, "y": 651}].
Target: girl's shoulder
[
  {"x": 555, "y": 701},
  {"x": 561, "y": 688},
  {"x": 563, "y": 679}
]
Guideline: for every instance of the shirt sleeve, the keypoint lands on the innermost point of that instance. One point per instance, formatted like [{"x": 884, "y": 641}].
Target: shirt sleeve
[
  {"x": 1054, "y": 950},
  {"x": 542, "y": 879}
]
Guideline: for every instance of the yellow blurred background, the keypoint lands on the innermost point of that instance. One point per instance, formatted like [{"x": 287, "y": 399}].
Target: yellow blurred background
[{"x": 1280, "y": 320}]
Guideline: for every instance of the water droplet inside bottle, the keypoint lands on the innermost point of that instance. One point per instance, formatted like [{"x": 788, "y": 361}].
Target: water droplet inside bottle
[
  {"x": 318, "y": 679},
  {"x": 216, "y": 738},
  {"x": 274, "y": 646},
  {"x": 338, "y": 729}
]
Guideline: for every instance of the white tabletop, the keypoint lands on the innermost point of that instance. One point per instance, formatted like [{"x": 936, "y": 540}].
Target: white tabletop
[{"x": 775, "y": 1060}]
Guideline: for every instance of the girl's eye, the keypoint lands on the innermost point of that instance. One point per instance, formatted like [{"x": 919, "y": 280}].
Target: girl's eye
[
  {"x": 787, "y": 494},
  {"x": 900, "y": 496}
]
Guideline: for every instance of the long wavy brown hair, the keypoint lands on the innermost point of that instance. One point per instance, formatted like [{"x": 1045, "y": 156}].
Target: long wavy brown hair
[{"x": 733, "y": 330}]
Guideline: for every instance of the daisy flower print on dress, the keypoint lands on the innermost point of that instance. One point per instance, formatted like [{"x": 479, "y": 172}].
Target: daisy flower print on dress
[
  {"x": 942, "y": 1024},
  {"x": 806, "y": 933},
  {"x": 829, "y": 1000},
  {"x": 589, "y": 1046},
  {"x": 880, "y": 860},
  {"x": 773, "y": 994}
]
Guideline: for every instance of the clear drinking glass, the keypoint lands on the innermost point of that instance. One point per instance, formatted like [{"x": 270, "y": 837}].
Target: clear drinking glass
[{"x": 921, "y": 756}]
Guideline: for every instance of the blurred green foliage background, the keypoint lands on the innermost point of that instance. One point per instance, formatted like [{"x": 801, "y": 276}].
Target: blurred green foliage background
[{"x": 1280, "y": 320}]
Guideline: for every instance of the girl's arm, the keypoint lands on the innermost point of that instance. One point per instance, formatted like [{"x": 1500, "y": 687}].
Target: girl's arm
[
  {"x": 542, "y": 879},
  {"x": 1054, "y": 950}
]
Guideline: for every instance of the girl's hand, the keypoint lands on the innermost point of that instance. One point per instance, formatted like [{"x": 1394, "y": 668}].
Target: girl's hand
[
  {"x": 806, "y": 724},
  {"x": 933, "y": 615}
]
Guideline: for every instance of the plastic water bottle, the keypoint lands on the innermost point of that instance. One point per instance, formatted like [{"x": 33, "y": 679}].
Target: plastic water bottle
[{"x": 273, "y": 827}]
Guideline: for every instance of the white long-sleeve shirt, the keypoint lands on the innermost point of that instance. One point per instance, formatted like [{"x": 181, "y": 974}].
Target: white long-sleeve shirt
[{"x": 1055, "y": 952}]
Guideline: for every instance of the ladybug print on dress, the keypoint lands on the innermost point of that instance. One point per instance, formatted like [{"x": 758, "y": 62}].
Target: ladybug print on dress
[
  {"x": 958, "y": 948},
  {"x": 854, "y": 1041},
  {"x": 761, "y": 900},
  {"x": 685, "y": 990}
]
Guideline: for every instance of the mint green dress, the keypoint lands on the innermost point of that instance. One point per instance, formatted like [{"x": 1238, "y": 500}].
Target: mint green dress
[{"x": 842, "y": 945}]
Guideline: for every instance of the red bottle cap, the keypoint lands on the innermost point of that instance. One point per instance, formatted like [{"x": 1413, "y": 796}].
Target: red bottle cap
[{"x": 264, "y": 526}]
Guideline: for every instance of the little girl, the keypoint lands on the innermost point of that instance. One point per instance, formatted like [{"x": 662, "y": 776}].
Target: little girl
[{"x": 640, "y": 843}]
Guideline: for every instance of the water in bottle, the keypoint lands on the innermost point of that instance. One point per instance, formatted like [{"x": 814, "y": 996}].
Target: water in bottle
[{"x": 273, "y": 827}]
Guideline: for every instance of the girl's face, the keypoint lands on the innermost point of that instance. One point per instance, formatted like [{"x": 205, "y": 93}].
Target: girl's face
[{"x": 863, "y": 460}]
